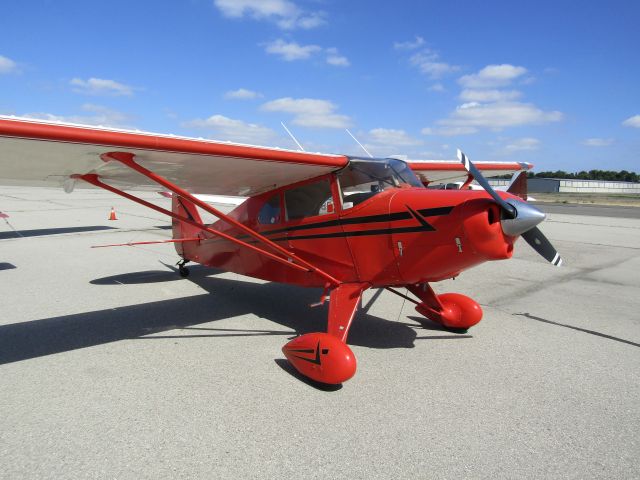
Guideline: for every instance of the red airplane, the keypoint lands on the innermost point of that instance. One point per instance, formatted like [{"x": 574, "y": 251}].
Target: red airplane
[{"x": 341, "y": 223}]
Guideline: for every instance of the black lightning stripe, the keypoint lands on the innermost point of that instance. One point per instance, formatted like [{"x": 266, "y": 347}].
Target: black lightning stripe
[
  {"x": 423, "y": 227},
  {"x": 420, "y": 219},
  {"x": 315, "y": 360},
  {"x": 387, "y": 217},
  {"x": 359, "y": 233}
]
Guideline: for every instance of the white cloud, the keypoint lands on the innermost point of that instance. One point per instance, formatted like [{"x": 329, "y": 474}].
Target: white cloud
[
  {"x": 437, "y": 87},
  {"x": 291, "y": 51},
  {"x": 492, "y": 76},
  {"x": 392, "y": 138},
  {"x": 256, "y": 8},
  {"x": 104, "y": 115},
  {"x": 449, "y": 131},
  {"x": 306, "y": 21},
  {"x": 228, "y": 129},
  {"x": 424, "y": 154},
  {"x": 7, "y": 65},
  {"x": 522, "y": 144},
  {"x": 489, "y": 95},
  {"x": 338, "y": 61},
  {"x": 309, "y": 112},
  {"x": 409, "y": 45},
  {"x": 632, "y": 121},
  {"x": 286, "y": 14},
  {"x": 98, "y": 115},
  {"x": 499, "y": 115},
  {"x": 101, "y": 86},
  {"x": 385, "y": 142},
  {"x": 485, "y": 106},
  {"x": 428, "y": 63},
  {"x": 334, "y": 58},
  {"x": 242, "y": 94},
  {"x": 598, "y": 142}
]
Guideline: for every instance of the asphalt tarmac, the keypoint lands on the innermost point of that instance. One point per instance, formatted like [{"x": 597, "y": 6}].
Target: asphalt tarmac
[
  {"x": 590, "y": 210},
  {"x": 112, "y": 366}
]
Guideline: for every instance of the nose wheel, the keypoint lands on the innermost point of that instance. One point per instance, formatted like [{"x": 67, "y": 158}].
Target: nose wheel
[{"x": 182, "y": 269}]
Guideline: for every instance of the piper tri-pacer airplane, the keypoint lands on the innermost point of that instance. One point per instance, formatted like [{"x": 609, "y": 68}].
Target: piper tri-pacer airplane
[{"x": 341, "y": 223}]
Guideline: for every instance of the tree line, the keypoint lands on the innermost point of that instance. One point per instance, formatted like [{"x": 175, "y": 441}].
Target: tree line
[
  {"x": 605, "y": 175},
  {"x": 608, "y": 175}
]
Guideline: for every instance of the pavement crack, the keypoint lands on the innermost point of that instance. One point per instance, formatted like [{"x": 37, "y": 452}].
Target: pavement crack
[
  {"x": 584, "y": 330},
  {"x": 609, "y": 245},
  {"x": 594, "y": 224},
  {"x": 579, "y": 274}
]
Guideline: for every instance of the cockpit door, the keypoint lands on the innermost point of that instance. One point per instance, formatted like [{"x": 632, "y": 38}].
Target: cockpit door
[
  {"x": 367, "y": 228},
  {"x": 313, "y": 228}
]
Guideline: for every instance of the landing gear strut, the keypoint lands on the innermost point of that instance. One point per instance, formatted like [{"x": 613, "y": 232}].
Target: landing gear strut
[{"x": 182, "y": 269}]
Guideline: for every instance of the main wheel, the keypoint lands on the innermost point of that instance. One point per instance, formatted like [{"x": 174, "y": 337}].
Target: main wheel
[
  {"x": 460, "y": 312},
  {"x": 183, "y": 271}
]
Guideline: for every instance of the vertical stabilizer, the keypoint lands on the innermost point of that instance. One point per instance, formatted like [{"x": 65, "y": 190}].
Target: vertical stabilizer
[
  {"x": 187, "y": 209},
  {"x": 518, "y": 185}
]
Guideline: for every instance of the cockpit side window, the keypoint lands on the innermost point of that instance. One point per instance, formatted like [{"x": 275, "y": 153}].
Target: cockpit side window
[
  {"x": 309, "y": 200},
  {"x": 270, "y": 211}
]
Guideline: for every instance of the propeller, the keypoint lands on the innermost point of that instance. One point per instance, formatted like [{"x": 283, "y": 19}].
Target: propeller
[
  {"x": 518, "y": 218},
  {"x": 540, "y": 244}
]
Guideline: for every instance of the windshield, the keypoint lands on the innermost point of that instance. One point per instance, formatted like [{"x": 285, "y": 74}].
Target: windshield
[{"x": 364, "y": 178}]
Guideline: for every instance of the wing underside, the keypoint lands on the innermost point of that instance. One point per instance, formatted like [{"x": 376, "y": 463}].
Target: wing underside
[{"x": 46, "y": 154}]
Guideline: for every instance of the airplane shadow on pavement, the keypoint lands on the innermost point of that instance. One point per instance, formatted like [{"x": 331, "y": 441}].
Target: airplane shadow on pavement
[{"x": 283, "y": 304}]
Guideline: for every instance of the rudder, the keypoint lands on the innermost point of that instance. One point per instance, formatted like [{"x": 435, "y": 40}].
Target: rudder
[{"x": 518, "y": 185}]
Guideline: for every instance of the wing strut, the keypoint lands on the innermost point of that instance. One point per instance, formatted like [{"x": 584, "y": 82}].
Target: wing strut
[
  {"x": 93, "y": 179},
  {"x": 127, "y": 159}
]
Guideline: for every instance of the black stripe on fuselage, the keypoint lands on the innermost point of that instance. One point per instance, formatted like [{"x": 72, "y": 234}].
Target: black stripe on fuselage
[
  {"x": 387, "y": 217},
  {"x": 390, "y": 217},
  {"x": 435, "y": 212},
  {"x": 359, "y": 233},
  {"x": 344, "y": 221}
]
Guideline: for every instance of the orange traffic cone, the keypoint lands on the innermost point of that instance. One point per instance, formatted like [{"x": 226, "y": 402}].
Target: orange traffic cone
[{"x": 112, "y": 214}]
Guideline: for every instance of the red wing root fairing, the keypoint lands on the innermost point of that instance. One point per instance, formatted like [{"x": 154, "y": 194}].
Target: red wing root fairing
[{"x": 344, "y": 224}]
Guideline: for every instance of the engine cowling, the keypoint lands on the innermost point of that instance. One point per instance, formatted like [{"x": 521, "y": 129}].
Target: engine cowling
[{"x": 483, "y": 230}]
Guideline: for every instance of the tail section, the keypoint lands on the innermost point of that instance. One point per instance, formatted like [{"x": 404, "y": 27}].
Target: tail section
[
  {"x": 185, "y": 208},
  {"x": 518, "y": 185}
]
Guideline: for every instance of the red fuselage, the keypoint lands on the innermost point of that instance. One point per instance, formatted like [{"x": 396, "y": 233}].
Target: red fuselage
[{"x": 399, "y": 236}]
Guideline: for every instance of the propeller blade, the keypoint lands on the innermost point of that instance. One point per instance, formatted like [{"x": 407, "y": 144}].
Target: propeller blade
[
  {"x": 519, "y": 218},
  {"x": 540, "y": 244},
  {"x": 473, "y": 170}
]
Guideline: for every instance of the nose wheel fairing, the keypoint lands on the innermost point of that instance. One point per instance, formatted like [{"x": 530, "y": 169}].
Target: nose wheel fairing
[
  {"x": 326, "y": 357},
  {"x": 321, "y": 357},
  {"x": 451, "y": 310}
]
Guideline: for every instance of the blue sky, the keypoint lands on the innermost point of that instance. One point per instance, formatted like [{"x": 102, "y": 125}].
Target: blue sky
[{"x": 550, "y": 82}]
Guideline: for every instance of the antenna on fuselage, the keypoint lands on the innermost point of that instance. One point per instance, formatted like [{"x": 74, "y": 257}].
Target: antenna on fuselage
[
  {"x": 362, "y": 146},
  {"x": 291, "y": 135}
]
